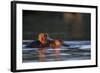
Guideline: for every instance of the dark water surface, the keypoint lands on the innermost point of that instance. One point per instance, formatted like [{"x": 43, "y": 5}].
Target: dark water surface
[{"x": 77, "y": 50}]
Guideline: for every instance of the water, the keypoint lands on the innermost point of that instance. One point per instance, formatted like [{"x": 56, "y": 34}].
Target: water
[{"x": 77, "y": 50}]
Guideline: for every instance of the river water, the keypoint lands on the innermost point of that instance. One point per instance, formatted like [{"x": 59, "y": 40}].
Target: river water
[{"x": 77, "y": 50}]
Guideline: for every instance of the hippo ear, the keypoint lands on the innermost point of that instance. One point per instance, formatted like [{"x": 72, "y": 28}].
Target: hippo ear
[
  {"x": 60, "y": 40},
  {"x": 46, "y": 34}
]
